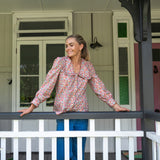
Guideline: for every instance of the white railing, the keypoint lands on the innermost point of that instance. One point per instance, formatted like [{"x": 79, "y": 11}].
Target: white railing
[
  {"x": 41, "y": 134},
  {"x": 155, "y": 138}
]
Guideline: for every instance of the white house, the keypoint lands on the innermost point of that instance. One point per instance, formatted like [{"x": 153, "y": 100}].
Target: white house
[{"x": 32, "y": 34}]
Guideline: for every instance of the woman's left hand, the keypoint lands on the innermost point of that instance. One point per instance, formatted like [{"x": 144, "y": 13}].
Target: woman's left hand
[{"x": 118, "y": 108}]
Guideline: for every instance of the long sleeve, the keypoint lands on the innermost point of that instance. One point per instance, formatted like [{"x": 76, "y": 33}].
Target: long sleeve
[
  {"x": 99, "y": 88},
  {"x": 49, "y": 83}
]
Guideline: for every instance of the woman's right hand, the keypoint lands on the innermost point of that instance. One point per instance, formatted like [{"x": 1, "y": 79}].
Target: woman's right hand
[{"x": 28, "y": 110}]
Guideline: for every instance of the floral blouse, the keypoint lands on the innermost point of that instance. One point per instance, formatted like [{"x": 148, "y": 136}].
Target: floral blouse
[{"x": 71, "y": 86}]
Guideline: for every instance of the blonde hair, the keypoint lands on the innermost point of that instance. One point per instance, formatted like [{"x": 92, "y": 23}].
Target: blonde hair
[{"x": 80, "y": 40}]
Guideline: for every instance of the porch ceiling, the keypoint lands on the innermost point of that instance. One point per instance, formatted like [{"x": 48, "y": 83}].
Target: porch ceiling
[{"x": 75, "y": 5}]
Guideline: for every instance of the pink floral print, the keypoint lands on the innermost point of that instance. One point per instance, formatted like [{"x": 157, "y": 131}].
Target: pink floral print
[{"x": 71, "y": 87}]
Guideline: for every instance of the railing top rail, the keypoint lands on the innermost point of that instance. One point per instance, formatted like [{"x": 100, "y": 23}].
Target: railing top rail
[
  {"x": 152, "y": 115},
  {"x": 72, "y": 115}
]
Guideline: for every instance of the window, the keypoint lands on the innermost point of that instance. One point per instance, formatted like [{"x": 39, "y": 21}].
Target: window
[
  {"x": 124, "y": 78},
  {"x": 155, "y": 28},
  {"x": 42, "y": 28},
  {"x": 29, "y": 73},
  {"x": 38, "y": 41},
  {"x": 122, "y": 30},
  {"x": 156, "y": 54},
  {"x": 35, "y": 59}
]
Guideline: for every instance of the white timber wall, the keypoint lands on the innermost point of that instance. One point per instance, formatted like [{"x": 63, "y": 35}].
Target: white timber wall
[
  {"x": 102, "y": 59},
  {"x": 5, "y": 69}
]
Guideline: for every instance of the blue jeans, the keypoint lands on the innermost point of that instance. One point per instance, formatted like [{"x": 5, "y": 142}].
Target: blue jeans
[{"x": 74, "y": 124}]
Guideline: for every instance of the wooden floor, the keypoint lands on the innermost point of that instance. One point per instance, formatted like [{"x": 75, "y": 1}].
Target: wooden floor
[{"x": 47, "y": 156}]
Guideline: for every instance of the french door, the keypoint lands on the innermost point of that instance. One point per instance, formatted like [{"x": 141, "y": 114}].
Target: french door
[{"x": 34, "y": 60}]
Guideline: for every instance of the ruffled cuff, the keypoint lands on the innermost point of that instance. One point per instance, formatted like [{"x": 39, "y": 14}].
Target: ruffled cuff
[
  {"x": 111, "y": 102},
  {"x": 36, "y": 101}
]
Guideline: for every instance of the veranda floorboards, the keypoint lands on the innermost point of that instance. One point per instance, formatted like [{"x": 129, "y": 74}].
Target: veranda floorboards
[{"x": 47, "y": 156}]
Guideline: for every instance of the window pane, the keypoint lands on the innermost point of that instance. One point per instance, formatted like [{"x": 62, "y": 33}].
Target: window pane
[
  {"x": 123, "y": 61},
  {"x": 53, "y": 51},
  {"x": 124, "y": 91},
  {"x": 155, "y": 27},
  {"x": 156, "y": 54},
  {"x": 28, "y": 88},
  {"x": 43, "y": 34},
  {"x": 29, "y": 60},
  {"x": 122, "y": 30},
  {"x": 42, "y": 25}
]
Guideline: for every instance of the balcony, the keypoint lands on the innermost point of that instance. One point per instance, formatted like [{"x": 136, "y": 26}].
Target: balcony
[{"x": 15, "y": 135}]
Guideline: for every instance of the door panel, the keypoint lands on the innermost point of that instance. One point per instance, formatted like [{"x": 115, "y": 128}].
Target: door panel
[
  {"x": 34, "y": 60},
  {"x": 156, "y": 81},
  {"x": 52, "y": 52},
  {"x": 156, "y": 75},
  {"x": 28, "y": 72}
]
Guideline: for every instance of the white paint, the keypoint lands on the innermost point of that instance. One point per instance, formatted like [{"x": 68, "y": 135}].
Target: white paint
[
  {"x": 28, "y": 149},
  {"x": 54, "y": 148},
  {"x": 79, "y": 148},
  {"x": 3, "y": 148},
  {"x": 92, "y": 134},
  {"x": 118, "y": 140},
  {"x": 15, "y": 139},
  {"x": 66, "y": 139},
  {"x": 154, "y": 150},
  {"x": 105, "y": 148},
  {"x": 158, "y": 128},
  {"x": 131, "y": 148},
  {"x": 50, "y": 134},
  {"x": 155, "y": 138},
  {"x": 92, "y": 148},
  {"x": 66, "y": 147}
]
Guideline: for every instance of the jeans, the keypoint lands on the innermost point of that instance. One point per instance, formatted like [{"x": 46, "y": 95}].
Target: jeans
[{"x": 74, "y": 124}]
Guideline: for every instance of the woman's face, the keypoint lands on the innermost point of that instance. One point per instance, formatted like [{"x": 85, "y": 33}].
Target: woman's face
[{"x": 73, "y": 48}]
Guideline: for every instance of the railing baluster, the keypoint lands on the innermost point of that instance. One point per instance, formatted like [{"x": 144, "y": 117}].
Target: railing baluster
[
  {"x": 66, "y": 142},
  {"x": 131, "y": 148},
  {"x": 158, "y": 134},
  {"x": 54, "y": 148},
  {"x": 118, "y": 140},
  {"x": 28, "y": 148},
  {"x": 154, "y": 150},
  {"x": 79, "y": 148},
  {"x": 15, "y": 140},
  {"x": 3, "y": 148},
  {"x": 92, "y": 140},
  {"x": 158, "y": 149},
  {"x": 41, "y": 140},
  {"x": 105, "y": 148}
]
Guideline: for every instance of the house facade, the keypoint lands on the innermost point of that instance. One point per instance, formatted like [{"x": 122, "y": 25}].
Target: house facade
[{"x": 30, "y": 41}]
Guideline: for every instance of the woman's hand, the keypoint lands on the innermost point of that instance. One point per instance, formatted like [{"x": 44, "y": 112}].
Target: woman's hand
[
  {"x": 28, "y": 110},
  {"x": 118, "y": 108}
]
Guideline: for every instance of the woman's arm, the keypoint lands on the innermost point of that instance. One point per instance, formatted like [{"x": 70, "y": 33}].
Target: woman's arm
[
  {"x": 100, "y": 90},
  {"x": 47, "y": 87}
]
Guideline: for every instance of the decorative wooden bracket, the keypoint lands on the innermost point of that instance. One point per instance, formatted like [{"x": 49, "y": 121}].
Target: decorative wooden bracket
[{"x": 139, "y": 10}]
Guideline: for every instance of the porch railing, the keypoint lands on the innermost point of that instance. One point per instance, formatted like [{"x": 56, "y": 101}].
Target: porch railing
[
  {"x": 154, "y": 136},
  {"x": 15, "y": 134}
]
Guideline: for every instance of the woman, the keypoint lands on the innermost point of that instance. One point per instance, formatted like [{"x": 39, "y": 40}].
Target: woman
[{"x": 71, "y": 74}]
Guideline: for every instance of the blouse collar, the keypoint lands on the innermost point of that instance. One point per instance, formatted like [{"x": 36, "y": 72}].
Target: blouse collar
[{"x": 84, "y": 71}]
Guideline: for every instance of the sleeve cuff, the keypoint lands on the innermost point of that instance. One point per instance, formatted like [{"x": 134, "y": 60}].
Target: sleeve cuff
[
  {"x": 112, "y": 102},
  {"x": 36, "y": 102}
]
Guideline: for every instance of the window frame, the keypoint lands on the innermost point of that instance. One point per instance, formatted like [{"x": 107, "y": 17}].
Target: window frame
[
  {"x": 39, "y": 43},
  {"x": 16, "y": 41},
  {"x": 127, "y": 42}
]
